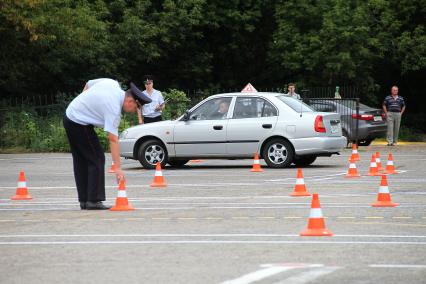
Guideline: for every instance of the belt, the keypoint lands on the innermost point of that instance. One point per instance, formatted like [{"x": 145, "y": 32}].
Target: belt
[
  {"x": 395, "y": 111},
  {"x": 75, "y": 123}
]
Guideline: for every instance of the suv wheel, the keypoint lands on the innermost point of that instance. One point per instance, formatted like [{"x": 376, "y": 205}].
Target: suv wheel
[
  {"x": 278, "y": 153},
  {"x": 151, "y": 152}
]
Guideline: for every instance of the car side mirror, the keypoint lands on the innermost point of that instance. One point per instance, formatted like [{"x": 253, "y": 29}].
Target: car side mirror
[{"x": 186, "y": 115}]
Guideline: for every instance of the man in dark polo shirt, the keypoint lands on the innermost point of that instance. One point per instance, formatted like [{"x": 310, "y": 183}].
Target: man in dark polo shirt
[{"x": 394, "y": 107}]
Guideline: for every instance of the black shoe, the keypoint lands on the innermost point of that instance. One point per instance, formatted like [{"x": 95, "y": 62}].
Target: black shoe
[
  {"x": 82, "y": 205},
  {"x": 91, "y": 205},
  {"x": 390, "y": 144}
]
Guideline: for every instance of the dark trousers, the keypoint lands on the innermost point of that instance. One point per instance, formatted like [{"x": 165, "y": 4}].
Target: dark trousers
[
  {"x": 88, "y": 159},
  {"x": 152, "y": 119}
]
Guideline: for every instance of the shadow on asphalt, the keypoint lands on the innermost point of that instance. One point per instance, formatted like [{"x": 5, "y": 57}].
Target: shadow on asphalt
[{"x": 219, "y": 167}]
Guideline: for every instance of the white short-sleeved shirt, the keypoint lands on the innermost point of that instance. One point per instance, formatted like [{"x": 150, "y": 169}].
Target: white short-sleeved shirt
[
  {"x": 294, "y": 95},
  {"x": 148, "y": 110},
  {"x": 100, "y": 105}
]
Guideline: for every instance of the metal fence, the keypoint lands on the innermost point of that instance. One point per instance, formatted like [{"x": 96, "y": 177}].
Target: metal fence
[
  {"x": 51, "y": 107},
  {"x": 348, "y": 110},
  {"x": 344, "y": 91}
]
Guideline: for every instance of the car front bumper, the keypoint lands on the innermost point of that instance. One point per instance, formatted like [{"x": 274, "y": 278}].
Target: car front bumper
[
  {"x": 319, "y": 145},
  {"x": 126, "y": 148}
]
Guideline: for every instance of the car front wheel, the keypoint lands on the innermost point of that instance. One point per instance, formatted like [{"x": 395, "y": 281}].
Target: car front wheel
[
  {"x": 151, "y": 152},
  {"x": 278, "y": 153}
]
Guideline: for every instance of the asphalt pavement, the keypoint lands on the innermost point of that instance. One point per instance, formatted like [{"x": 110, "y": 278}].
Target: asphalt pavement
[{"x": 216, "y": 222}]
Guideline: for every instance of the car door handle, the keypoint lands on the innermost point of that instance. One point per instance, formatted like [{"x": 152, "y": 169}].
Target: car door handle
[
  {"x": 267, "y": 125},
  {"x": 218, "y": 127}
]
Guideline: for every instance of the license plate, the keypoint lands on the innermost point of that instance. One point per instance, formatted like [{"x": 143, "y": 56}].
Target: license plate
[
  {"x": 378, "y": 118},
  {"x": 335, "y": 128}
]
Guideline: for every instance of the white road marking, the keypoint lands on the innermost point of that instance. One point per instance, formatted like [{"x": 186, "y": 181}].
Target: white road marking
[
  {"x": 23, "y": 207},
  {"x": 197, "y": 235},
  {"x": 306, "y": 177},
  {"x": 397, "y": 266},
  {"x": 308, "y": 276},
  {"x": 258, "y": 275},
  {"x": 267, "y": 271},
  {"x": 208, "y": 242}
]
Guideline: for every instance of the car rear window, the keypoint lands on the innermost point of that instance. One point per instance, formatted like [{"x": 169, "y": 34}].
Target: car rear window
[
  {"x": 295, "y": 104},
  {"x": 352, "y": 105}
]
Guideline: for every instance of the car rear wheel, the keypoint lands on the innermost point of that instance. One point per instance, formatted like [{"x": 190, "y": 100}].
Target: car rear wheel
[
  {"x": 304, "y": 161},
  {"x": 278, "y": 153},
  {"x": 345, "y": 133},
  {"x": 365, "y": 142},
  {"x": 151, "y": 152},
  {"x": 177, "y": 163}
]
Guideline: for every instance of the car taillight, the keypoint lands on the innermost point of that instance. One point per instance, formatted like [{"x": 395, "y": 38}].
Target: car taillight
[
  {"x": 319, "y": 124},
  {"x": 363, "y": 116}
]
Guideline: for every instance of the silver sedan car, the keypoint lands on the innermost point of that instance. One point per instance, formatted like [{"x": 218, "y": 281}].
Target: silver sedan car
[{"x": 281, "y": 129}]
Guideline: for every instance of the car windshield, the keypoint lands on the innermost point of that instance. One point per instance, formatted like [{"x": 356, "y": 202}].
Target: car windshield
[{"x": 295, "y": 104}]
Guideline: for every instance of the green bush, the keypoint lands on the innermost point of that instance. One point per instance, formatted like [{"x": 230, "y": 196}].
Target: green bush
[
  {"x": 412, "y": 135},
  {"x": 177, "y": 103},
  {"x": 40, "y": 129}
]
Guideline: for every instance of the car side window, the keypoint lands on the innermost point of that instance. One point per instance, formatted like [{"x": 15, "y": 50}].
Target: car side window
[
  {"x": 246, "y": 107},
  {"x": 268, "y": 109},
  {"x": 212, "y": 109}
]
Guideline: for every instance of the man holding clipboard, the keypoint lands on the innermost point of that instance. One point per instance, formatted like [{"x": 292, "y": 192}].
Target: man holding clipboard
[{"x": 151, "y": 112}]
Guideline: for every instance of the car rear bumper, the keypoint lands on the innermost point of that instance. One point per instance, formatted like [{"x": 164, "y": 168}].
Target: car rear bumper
[
  {"x": 319, "y": 145},
  {"x": 126, "y": 148},
  {"x": 370, "y": 132}
]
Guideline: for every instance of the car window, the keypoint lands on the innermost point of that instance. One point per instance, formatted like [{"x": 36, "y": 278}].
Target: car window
[
  {"x": 323, "y": 107},
  {"x": 212, "y": 109},
  {"x": 295, "y": 104},
  {"x": 352, "y": 105},
  {"x": 246, "y": 107}
]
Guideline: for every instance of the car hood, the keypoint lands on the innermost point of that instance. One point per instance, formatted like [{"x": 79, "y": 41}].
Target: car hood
[{"x": 147, "y": 129}]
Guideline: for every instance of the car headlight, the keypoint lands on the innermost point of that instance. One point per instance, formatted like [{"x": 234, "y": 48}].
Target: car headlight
[{"x": 123, "y": 134}]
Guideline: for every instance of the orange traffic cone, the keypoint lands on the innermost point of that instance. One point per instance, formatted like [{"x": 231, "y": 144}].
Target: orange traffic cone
[
  {"x": 316, "y": 224},
  {"x": 158, "y": 177},
  {"x": 300, "y": 188},
  {"x": 256, "y": 164},
  {"x": 112, "y": 168},
  {"x": 373, "y": 167},
  {"x": 390, "y": 168},
  {"x": 22, "y": 190},
  {"x": 378, "y": 162},
  {"x": 384, "y": 197},
  {"x": 352, "y": 171},
  {"x": 355, "y": 154},
  {"x": 121, "y": 202}
]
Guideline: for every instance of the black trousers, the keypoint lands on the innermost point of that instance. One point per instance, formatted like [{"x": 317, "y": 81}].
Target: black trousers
[
  {"x": 152, "y": 119},
  {"x": 88, "y": 159}
]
